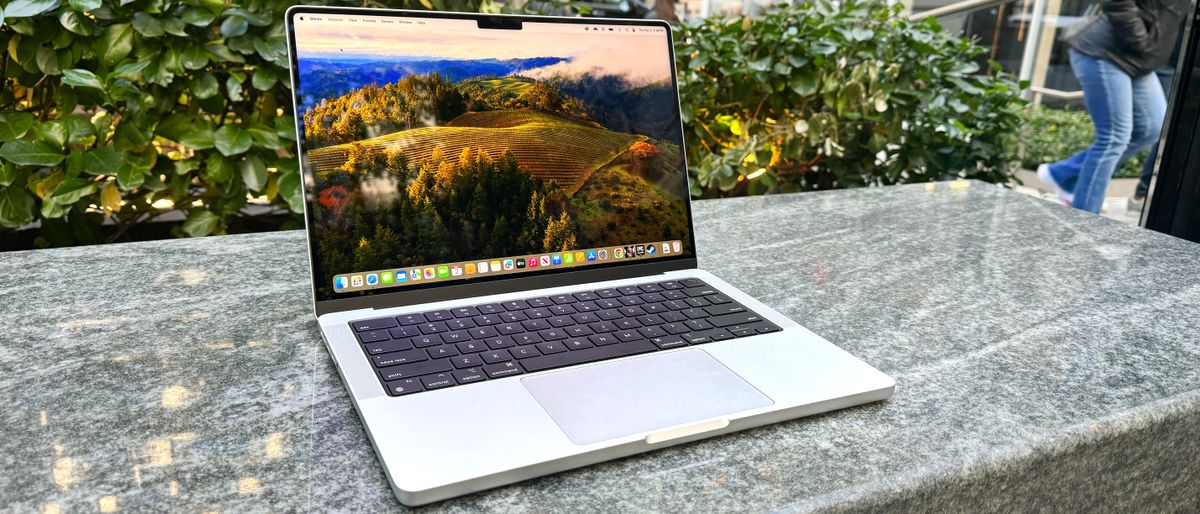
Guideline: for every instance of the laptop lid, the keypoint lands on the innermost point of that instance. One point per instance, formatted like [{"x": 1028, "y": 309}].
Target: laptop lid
[{"x": 450, "y": 155}]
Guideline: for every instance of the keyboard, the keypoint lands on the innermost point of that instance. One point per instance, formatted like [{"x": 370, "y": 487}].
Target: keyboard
[{"x": 432, "y": 350}]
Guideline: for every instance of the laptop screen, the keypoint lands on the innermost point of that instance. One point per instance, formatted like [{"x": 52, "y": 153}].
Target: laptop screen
[{"x": 437, "y": 152}]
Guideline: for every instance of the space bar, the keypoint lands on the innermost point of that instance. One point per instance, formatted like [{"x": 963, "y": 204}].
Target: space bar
[{"x": 598, "y": 353}]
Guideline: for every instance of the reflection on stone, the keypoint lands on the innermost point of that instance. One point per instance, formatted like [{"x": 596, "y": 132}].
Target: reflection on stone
[
  {"x": 174, "y": 488},
  {"x": 174, "y": 396},
  {"x": 51, "y": 508},
  {"x": 108, "y": 503},
  {"x": 276, "y": 445},
  {"x": 43, "y": 419},
  {"x": 158, "y": 452},
  {"x": 63, "y": 472},
  {"x": 249, "y": 485}
]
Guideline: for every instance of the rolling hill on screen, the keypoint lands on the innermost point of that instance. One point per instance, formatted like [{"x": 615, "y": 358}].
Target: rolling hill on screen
[{"x": 547, "y": 146}]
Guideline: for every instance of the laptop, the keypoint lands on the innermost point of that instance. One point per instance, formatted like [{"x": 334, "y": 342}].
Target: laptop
[{"x": 503, "y": 253}]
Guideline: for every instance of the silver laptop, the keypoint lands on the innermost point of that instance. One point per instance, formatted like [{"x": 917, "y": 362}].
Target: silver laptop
[{"x": 503, "y": 257}]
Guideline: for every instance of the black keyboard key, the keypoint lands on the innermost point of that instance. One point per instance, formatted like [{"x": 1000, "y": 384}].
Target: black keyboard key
[
  {"x": 585, "y": 317},
  {"x": 694, "y": 313},
  {"x": 649, "y": 332},
  {"x": 403, "y": 357},
  {"x": 561, "y": 321},
  {"x": 458, "y": 336},
  {"x": 632, "y": 311},
  {"x": 742, "y": 330},
  {"x": 652, "y": 298},
  {"x": 666, "y": 342},
  {"x": 608, "y": 293},
  {"x": 718, "y": 298},
  {"x": 415, "y": 369},
  {"x": 698, "y": 324},
  {"x": 472, "y": 347},
  {"x": 535, "y": 324},
  {"x": 509, "y": 329},
  {"x": 767, "y": 328},
  {"x": 609, "y": 303},
  {"x": 465, "y": 312},
  {"x": 515, "y": 305},
  {"x": 490, "y": 308},
  {"x": 494, "y": 356},
  {"x": 512, "y": 317},
  {"x": 579, "y": 331},
  {"x": 538, "y": 313},
  {"x": 609, "y": 314},
  {"x": 671, "y": 284},
  {"x": 628, "y": 290},
  {"x": 437, "y": 352},
  {"x": 561, "y": 310},
  {"x": 586, "y": 307},
  {"x": 586, "y": 296},
  {"x": 559, "y": 360},
  {"x": 740, "y": 318},
  {"x": 725, "y": 308},
  {"x": 628, "y": 335},
  {"x": 604, "y": 339},
  {"x": 672, "y": 317},
  {"x": 697, "y": 302},
  {"x": 403, "y": 387},
  {"x": 675, "y": 328},
  {"x": 502, "y": 369},
  {"x": 411, "y": 319},
  {"x": 553, "y": 334},
  {"x": 526, "y": 338},
  {"x": 469, "y": 375},
  {"x": 487, "y": 319},
  {"x": 523, "y": 352},
  {"x": 460, "y": 324},
  {"x": 551, "y": 347},
  {"x": 540, "y": 302},
  {"x": 699, "y": 291},
  {"x": 373, "y": 324},
  {"x": 483, "y": 332},
  {"x": 395, "y": 345},
  {"x": 601, "y": 327},
  {"x": 674, "y": 295},
  {"x": 426, "y": 341},
  {"x": 437, "y": 381},
  {"x": 627, "y": 323},
  {"x": 402, "y": 332},
  {"x": 692, "y": 282},
  {"x": 632, "y": 300},
  {"x": 496, "y": 343},
  {"x": 578, "y": 343},
  {"x": 563, "y": 298},
  {"x": 436, "y": 327},
  {"x": 696, "y": 338},
  {"x": 374, "y": 336},
  {"x": 651, "y": 319},
  {"x": 650, "y": 288},
  {"x": 718, "y": 334},
  {"x": 469, "y": 360},
  {"x": 442, "y": 315},
  {"x": 677, "y": 305}
]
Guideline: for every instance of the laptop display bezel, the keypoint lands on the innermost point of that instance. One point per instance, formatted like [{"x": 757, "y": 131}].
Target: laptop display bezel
[{"x": 482, "y": 286}]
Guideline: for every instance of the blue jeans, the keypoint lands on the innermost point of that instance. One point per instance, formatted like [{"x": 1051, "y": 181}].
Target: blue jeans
[
  {"x": 1128, "y": 115},
  {"x": 1166, "y": 75}
]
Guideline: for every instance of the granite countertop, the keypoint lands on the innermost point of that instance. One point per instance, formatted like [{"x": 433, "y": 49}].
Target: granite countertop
[{"x": 1044, "y": 358}]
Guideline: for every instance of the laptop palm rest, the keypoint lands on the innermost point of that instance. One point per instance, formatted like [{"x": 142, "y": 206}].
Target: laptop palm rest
[{"x": 615, "y": 399}]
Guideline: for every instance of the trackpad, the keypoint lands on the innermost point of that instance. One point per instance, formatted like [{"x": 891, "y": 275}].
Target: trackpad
[{"x": 605, "y": 401}]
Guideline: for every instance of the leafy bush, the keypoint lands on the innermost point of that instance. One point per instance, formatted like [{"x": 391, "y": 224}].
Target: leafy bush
[
  {"x": 124, "y": 109},
  {"x": 1055, "y": 134},
  {"x": 812, "y": 96}
]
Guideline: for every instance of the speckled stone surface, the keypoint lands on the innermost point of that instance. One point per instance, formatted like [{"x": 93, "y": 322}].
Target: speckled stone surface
[{"x": 1045, "y": 360}]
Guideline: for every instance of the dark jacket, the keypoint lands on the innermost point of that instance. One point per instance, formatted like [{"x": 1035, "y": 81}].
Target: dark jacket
[{"x": 1136, "y": 35}]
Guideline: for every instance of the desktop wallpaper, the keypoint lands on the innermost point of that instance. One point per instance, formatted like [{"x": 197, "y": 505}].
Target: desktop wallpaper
[{"x": 435, "y": 146}]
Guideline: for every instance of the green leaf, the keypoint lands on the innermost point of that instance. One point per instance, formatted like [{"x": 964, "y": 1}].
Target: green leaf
[
  {"x": 102, "y": 161},
  {"x": 147, "y": 25},
  {"x": 217, "y": 169},
  {"x": 115, "y": 43},
  {"x": 262, "y": 79},
  {"x": 205, "y": 85},
  {"x": 198, "y": 138},
  {"x": 254, "y": 173},
  {"x": 85, "y": 5},
  {"x": 267, "y": 138},
  {"x": 131, "y": 70},
  {"x": 234, "y": 26},
  {"x": 24, "y": 153},
  {"x": 233, "y": 86},
  {"x": 16, "y": 207},
  {"x": 47, "y": 61},
  {"x": 290, "y": 190},
  {"x": 198, "y": 17},
  {"x": 14, "y": 124},
  {"x": 29, "y": 8},
  {"x": 81, "y": 78},
  {"x": 55, "y": 131},
  {"x": 76, "y": 23},
  {"x": 130, "y": 177},
  {"x": 200, "y": 223},
  {"x": 804, "y": 83},
  {"x": 232, "y": 140},
  {"x": 194, "y": 57},
  {"x": 71, "y": 190}
]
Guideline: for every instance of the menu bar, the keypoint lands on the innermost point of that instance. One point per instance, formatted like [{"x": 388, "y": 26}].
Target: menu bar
[{"x": 452, "y": 271}]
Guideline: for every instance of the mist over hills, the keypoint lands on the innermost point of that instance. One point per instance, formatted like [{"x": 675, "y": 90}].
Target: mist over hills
[{"x": 330, "y": 77}]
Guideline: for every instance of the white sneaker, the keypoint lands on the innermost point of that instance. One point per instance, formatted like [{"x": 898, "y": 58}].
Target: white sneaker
[{"x": 1064, "y": 196}]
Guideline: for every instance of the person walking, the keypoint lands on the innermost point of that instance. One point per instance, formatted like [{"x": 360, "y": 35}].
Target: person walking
[
  {"x": 1114, "y": 56},
  {"x": 1166, "y": 76}
]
